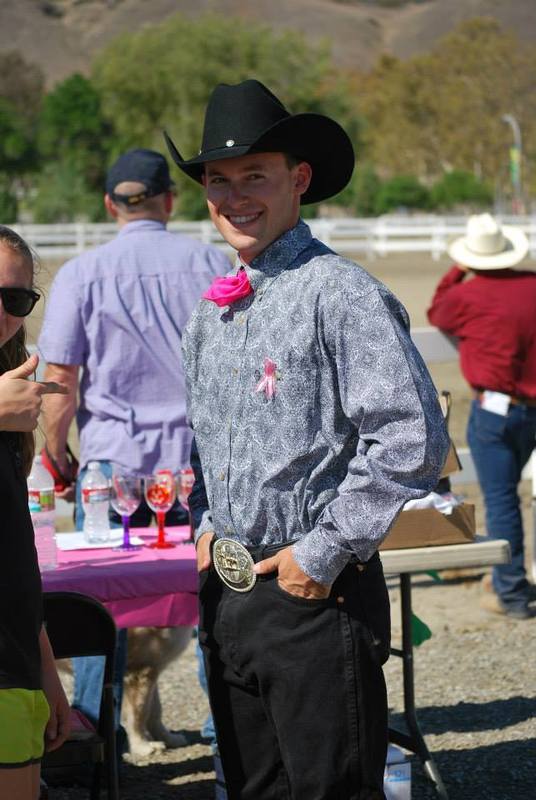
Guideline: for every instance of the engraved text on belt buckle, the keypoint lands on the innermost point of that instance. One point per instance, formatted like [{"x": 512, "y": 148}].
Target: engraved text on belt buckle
[{"x": 234, "y": 565}]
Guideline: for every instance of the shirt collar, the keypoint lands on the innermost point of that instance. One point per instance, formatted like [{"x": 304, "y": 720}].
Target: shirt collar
[
  {"x": 278, "y": 255},
  {"x": 142, "y": 225}
]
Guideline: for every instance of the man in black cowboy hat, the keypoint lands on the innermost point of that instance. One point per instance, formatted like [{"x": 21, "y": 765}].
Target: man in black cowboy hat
[{"x": 315, "y": 420}]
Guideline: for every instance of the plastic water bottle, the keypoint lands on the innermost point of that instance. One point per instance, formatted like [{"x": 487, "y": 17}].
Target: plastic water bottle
[
  {"x": 42, "y": 511},
  {"x": 95, "y": 502}
]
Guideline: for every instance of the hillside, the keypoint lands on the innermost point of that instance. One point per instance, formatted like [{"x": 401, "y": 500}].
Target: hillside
[{"x": 61, "y": 36}]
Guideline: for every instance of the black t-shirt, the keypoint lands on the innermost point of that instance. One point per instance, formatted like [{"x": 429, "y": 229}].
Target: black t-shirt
[{"x": 21, "y": 608}]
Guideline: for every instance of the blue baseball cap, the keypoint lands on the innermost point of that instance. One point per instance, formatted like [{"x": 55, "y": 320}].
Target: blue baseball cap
[{"x": 140, "y": 166}]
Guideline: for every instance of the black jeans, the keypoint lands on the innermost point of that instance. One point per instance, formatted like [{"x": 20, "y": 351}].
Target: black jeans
[{"x": 297, "y": 687}]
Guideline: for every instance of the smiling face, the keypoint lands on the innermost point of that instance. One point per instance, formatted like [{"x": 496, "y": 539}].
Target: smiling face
[
  {"x": 14, "y": 272},
  {"x": 254, "y": 199}
]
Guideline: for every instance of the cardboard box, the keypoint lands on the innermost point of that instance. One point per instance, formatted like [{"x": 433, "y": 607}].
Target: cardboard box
[
  {"x": 397, "y": 775},
  {"x": 452, "y": 464},
  {"x": 425, "y": 527}
]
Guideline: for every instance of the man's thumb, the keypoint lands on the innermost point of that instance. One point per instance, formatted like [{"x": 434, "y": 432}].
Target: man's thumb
[
  {"x": 26, "y": 369},
  {"x": 266, "y": 566}
]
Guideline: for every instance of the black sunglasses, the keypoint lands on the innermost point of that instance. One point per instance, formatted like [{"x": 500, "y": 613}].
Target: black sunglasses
[{"x": 18, "y": 302}]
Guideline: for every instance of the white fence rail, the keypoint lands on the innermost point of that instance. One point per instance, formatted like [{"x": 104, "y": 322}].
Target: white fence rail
[{"x": 374, "y": 237}]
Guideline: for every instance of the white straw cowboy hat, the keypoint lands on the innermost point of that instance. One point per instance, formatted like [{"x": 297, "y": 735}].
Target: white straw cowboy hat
[{"x": 488, "y": 245}]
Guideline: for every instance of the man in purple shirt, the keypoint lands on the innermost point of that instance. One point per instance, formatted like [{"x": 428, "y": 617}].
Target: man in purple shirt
[{"x": 117, "y": 313}]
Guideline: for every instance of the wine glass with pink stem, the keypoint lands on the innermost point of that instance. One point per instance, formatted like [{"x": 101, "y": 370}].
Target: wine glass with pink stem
[
  {"x": 160, "y": 496},
  {"x": 125, "y": 497},
  {"x": 185, "y": 482}
]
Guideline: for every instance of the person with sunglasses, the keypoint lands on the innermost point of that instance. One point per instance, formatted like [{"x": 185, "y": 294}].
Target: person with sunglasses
[
  {"x": 34, "y": 712},
  {"x": 20, "y": 399}
]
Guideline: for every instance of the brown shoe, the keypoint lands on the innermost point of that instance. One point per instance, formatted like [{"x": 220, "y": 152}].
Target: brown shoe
[
  {"x": 490, "y": 602},
  {"x": 487, "y": 586}
]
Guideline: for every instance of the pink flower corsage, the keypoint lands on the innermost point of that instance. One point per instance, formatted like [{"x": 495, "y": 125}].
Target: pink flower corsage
[
  {"x": 224, "y": 291},
  {"x": 268, "y": 380}
]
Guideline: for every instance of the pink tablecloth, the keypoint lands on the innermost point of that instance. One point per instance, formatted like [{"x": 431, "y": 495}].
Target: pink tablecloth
[{"x": 138, "y": 587}]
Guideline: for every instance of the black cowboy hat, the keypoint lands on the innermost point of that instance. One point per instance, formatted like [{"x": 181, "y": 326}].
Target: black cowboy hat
[{"x": 248, "y": 118}]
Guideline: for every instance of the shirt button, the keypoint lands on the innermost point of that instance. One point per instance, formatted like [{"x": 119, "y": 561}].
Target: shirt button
[
  {"x": 234, "y": 371},
  {"x": 222, "y": 476}
]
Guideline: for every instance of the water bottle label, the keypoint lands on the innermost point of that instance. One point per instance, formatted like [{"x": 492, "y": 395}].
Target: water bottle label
[
  {"x": 96, "y": 495},
  {"x": 40, "y": 500}
]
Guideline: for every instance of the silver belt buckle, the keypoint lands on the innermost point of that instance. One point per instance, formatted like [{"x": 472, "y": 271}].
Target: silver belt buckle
[{"x": 234, "y": 565}]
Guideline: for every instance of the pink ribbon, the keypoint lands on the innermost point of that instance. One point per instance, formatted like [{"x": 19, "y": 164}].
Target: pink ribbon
[
  {"x": 267, "y": 382},
  {"x": 224, "y": 291}
]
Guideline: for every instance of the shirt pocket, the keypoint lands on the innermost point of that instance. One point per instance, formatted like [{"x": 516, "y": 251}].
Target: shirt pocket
[{"x": 284, "y": 424}]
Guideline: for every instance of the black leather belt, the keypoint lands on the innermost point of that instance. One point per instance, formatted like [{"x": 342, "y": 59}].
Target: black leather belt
[
  {"x": 234, "y": 562},
  {"x": 261, "y": 551}
]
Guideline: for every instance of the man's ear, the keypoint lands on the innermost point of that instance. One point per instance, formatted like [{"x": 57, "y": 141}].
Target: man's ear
[
  {"x": 302, "y": 177},
  {"x": 110, "y": 206},
  {"x": 170, "y": 197}
]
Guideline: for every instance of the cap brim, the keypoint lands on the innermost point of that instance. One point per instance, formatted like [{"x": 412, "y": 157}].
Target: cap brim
[
  {"x": 314, "y": 138},
  {"x": 515, "y": 251}
]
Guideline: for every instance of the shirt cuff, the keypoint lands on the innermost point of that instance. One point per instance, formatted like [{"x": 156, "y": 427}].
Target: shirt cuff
[
  {"x": 320, "y": 557},
  {"x": 205, "y": 526}
]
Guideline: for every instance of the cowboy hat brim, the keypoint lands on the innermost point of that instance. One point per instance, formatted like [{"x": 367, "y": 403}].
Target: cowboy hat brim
[
  {"x": 515, "y": 250},
  {"x": 314, "y": 138}
]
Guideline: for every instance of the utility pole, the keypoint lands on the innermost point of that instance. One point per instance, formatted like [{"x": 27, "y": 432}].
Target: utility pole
[{"x": 515, "y": 164}]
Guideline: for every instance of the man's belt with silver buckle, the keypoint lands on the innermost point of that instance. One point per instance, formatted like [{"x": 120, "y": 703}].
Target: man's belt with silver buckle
[
  {"x": 234, "y": 564},
  {"x": 234, "y": 561}
]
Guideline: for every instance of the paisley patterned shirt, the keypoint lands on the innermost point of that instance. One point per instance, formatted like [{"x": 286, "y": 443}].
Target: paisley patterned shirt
[{"x": 352, "y": 430}]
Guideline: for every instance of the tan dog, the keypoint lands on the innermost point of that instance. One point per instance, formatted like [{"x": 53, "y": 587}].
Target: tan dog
[{"x": 150, "y": 651}]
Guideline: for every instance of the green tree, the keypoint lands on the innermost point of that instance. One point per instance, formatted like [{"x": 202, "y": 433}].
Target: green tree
[
  {"x": 72, "y": 128},
  {"x": 8, "y": 206},
  {"x": 161, "y": 78},
  {"x": 458, "y": 187},
  {"x": 403, "y": 191},
  {"x": 62, "y": 194},
  {"x": 443, "y": 111},
  {"x": 366, "y": 188},
  {"x": 74, "y": 140},
  {"x": 21, "y": 90}
]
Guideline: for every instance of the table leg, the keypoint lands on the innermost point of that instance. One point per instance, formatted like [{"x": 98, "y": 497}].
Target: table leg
[{"x": 414, "y": 741}]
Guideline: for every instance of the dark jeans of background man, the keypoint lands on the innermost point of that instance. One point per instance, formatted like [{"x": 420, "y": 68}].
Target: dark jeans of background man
[
  {"x": 296, "y": 686},
  {"x": 89, "y": 671},
  {"x": 500, "y": 447}
]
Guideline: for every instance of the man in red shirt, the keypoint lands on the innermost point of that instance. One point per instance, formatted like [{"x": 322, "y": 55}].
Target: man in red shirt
[{"x": 494, "y": 317}]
